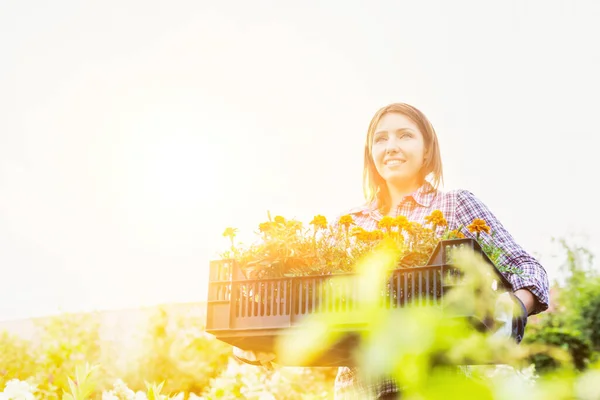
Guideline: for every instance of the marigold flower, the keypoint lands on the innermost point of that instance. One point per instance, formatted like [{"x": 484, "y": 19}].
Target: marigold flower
[
  {"x": 265, "y": 227},
  {"x": 362, "y": 236},
  {"x": 319, "y": 221},
  {"x": 346, "y": 221},
  {"x": 386, "y": 222},
  {"x": 413, "y": 227},
  {"x": 479, "y": 225},
  {"x": 376, "y": 235},
  {"x": 293, "y": 225},
  {"x": 230, "y": 232},
  {"x": 401, "y": 221},
  {"x": 436, "y": 218}
]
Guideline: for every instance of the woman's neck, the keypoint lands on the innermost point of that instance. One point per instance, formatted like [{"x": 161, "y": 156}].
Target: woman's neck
[{"x": 398, "y": 193}]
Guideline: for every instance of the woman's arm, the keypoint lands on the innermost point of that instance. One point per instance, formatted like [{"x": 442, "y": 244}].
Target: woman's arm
[{"x": 532, "y": 288}]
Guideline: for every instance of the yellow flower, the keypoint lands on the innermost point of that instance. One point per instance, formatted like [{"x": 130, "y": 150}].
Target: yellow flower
[
  {"x": 265, "y": 227},
  {"x": 279, "y": 220},
  {"x": 294, "y": 225},
  {"x": 436, "y": 218},
  {"x": 319, "y": 221},
  {"x": 401, "y": 221},
  {"x": 346, "y": 221},
  {"x": 367, "y": 236},
  {"x": 386, "y": 222},
  {"x": 413, "y": 227},
  {"x": 230, "y": 232},
  {"x": 375, "y": 235},
  {"x": 478, "y": 225}
]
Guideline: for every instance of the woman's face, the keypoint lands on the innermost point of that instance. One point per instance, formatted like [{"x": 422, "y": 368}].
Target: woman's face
[{"x": 398, "y": 150}]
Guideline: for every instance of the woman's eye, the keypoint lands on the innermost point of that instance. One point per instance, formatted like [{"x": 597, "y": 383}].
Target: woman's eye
[{"x": 380, "y": 139}]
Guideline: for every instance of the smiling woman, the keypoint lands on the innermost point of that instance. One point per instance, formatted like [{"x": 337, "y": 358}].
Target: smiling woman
[
  {"x": 398, "y": 151},
  {"x": 402, "y": 172}
]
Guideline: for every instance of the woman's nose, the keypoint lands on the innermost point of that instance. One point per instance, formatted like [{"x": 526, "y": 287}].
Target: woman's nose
[{"x": 392, "y": 145}]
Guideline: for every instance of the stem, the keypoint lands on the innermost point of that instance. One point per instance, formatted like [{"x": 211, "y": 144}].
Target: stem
[{"x": 347, "y": 239}]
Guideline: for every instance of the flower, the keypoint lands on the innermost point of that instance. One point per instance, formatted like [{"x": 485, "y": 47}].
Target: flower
[
  {"x": 478, "y": 225},
  {"x": 265, "y": 227},
  {"x": 412, "y": 227},
  {"x": 374, "y": 235},
  {"x": 230, "y": 232},
  {"x": 346, "y": 221},
  {"x": 293, "y": 225},
  {"x": 436, "y": 218},
  {"x": 279, "y": 219},
  {"x": 387, "y": 222},
  {"x": 401, "y": 221},
  {"x": 319, "y": 222}
]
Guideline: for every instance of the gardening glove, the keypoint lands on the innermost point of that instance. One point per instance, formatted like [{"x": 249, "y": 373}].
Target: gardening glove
[
  {"x": 519, "y": 321},
  {"x": 254, "y": 358},
  {"x": 511, "y": 316}
]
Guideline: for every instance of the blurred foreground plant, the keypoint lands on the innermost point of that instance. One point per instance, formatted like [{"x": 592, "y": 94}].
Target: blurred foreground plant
[{"x": 429, "y": 354}]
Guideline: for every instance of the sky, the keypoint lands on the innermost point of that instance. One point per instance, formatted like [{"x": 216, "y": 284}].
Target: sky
[{"x": 133, "y": 132}]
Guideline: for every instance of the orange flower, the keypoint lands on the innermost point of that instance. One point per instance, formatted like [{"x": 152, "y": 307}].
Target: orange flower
[
  {"x": 230, "y": 232},
  {"x": 265, "y": 227},
  {"x": 478, "y": 225},
  {"x": 319, "y": 221},
  {"x": 413, "y": 227},
  {"x": 386, "y": 222},
  {"x": 346, "y": 221},
  {"x": 401, "y": 221},
  {"x": 436, "y": 218},
  {"x": 375, "y": 235},
  {"x": 294, "y": 225}
]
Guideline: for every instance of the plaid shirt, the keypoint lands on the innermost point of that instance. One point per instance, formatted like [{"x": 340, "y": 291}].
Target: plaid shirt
[{"x": 459, "y": 207}]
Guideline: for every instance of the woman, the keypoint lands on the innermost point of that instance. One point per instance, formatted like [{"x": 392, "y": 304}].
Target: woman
[{"x": 402, "y": 172}]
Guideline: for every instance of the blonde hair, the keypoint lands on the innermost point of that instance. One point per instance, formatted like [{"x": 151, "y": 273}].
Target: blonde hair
[{"x": 374, "y": 186}]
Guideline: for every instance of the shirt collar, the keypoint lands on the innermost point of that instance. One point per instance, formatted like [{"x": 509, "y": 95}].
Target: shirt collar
[{"x": 423, "y": 196}]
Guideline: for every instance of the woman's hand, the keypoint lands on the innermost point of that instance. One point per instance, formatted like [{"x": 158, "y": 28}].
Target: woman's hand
[
  {"x": 254, "y": 358},
  {"x": 527, "y": 298}
]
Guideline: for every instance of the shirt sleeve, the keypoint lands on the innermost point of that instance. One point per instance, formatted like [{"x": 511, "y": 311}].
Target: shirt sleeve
[{"x": 535, "y": 278}]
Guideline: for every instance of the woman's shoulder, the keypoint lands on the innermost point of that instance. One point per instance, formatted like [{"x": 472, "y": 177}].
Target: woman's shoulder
[
  {"x": 461, "y": 195},
  {"x": 467, "y": 204}
]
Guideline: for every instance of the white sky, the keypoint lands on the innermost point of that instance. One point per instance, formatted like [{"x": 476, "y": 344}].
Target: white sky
[{"x": 133, "y": 132}]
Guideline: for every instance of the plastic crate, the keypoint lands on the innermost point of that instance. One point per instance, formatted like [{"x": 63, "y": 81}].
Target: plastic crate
[{"x": 252, "y": 313}]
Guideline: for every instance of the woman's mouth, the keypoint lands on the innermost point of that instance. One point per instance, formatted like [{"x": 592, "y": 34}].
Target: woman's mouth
[{"x": 393, "y": 162}]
